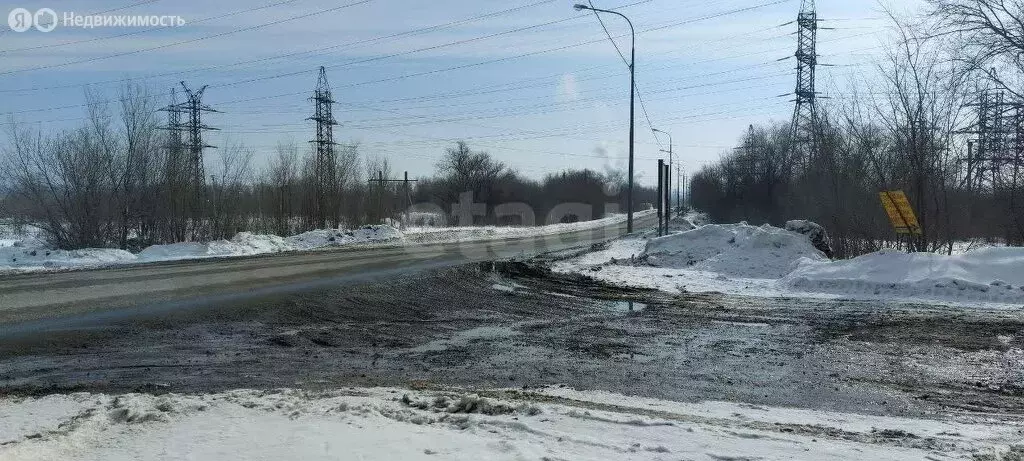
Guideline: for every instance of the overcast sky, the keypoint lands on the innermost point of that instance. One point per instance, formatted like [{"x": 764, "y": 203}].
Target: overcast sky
[{"x": 533, "y": 82}]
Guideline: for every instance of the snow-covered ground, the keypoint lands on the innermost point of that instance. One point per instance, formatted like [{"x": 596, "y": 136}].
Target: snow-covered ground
[
  {"x": 24, "y": 251},
  {"x": 391, "y": 424},
  {"x": 768, "y": 261}
]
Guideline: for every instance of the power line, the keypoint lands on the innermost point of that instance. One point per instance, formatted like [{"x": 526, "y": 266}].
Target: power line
[
  {"x": 193, "y": 40},
  {"x": 264, "y": 97},
  {"x": 287, "y": 55},
  {"x": 447, "y": 69},
  {"x": 509, "y": 58},
  {"x": 143, "y": 31},
  {"x": 635, "y": 88},
  {"x": 125, "y": 7}
]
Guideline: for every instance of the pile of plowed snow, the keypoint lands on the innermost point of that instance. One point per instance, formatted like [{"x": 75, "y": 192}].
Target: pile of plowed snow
[
  {"x": 247, "y": 244},
  {"x": 34, "y": 258},
  {"x": 29, "y": 256},
  {"x": 242, "y": 244},
  {"x": 738, "y": 250},
  {"x": 323, "y": 238},
  {"x": 993, "y": 274}
]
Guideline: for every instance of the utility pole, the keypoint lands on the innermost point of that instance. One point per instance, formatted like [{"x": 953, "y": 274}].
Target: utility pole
[
  {"x": 803, "y": 136},
  {"x": 381, "y": 182},
  {"x": 326, "y": 166},
  {"x": 679, "y": 185}
]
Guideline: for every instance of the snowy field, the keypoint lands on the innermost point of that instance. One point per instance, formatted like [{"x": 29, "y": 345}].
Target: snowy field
[
  {"x": 391, "y": 424},
  {"x": 768, "y": 261},
  {"x": 22, "y": 250}
]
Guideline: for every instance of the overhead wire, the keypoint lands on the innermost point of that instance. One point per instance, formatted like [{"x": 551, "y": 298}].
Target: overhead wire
[
  {"x": 422, "y": 73},
  {"x": 191, "y": 40}
]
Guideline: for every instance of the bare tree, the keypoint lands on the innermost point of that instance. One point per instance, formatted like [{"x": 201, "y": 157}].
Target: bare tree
[
  {"x": 138, "y": 178},
  {"x": 990, "y": 37},
  {"x": 229, "y": 182},
  {"x": 283, "y": 177},
  {"x": 349, "y": 189}
]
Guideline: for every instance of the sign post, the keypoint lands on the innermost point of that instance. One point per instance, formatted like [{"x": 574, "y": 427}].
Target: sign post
[{"x": 901, "y": 215}]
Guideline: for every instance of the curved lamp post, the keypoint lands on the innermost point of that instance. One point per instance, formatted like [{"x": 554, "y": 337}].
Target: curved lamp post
[{"x": 632, "y": 96}]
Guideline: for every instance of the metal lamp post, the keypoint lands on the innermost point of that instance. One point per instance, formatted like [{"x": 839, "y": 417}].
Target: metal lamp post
[{"x": 632, "y": 97}]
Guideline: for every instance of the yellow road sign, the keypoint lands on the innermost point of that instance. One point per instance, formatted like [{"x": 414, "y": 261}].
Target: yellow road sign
[{"x": 901, "y": 214}]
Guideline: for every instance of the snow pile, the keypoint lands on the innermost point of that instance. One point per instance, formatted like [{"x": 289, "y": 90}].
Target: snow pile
[
  {"x": 994, "y": 274},
  {"x": 624, "y": 249},
  {"x": 25, "y": 253},
  {"x": 35, "y": 258},
  {"x": 23, "y": 248},
  {"x": 696, "y": 218},
  {"x": 323, "y": 238},
  {"x": 385, "y": 424},
  {"x": 738, "y": 250},
  {"x": 681, "y": 224},
  {"x": 248, "y": 244},
  {"x": 770, "y": 262},
  {"x": 466, "y": 234},
  {"x": 242, "y": 244},
  {"x": 30, "y": 255}
]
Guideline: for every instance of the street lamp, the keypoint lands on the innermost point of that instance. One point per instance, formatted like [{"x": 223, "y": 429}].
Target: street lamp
[
  {"x": 669, "y": 152},
  {"x": 632, "y": 96}
]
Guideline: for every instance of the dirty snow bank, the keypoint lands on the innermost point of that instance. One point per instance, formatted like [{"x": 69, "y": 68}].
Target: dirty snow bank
[
  {"x": 248, "y": 244},
  {"x": 17, "y": 257},
  {"x": 696, "y": 218},
  {"x": 465, "y": 234},
  {"x": 994, "y": 274},
  {"x": 738, "y": 250},
  {"x": 767, "y": 261},
  {"x": 26, "y": 255},
  {"x": 382, "y": 424}
]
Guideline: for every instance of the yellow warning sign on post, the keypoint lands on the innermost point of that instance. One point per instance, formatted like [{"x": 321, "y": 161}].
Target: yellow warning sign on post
[{"x": 901, "y": 214}]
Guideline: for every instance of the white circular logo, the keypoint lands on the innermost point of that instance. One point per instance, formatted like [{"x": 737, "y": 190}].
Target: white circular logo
[
  {"x": 20, "y": 19},
  {"x": 45, "y": 19}
]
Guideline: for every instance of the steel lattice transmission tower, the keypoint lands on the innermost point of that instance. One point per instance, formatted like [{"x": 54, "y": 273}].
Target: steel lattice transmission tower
[
  {"x": 325, "y": 168},
  {"x": 995, "y": 165},
  {"x": 192, "y": 169},
  {"x": 803, "y": 132},
  {"x": 174, "y": 139},
  {"x": 174, "y": 168}
]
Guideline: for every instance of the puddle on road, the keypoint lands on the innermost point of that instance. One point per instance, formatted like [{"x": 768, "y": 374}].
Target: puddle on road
[{"x": 627, "y": 306}]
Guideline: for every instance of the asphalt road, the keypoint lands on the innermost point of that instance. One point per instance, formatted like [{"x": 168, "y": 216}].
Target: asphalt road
[
  {"x": 31, "y": 303},
  {"x": 499, "y": 325}
]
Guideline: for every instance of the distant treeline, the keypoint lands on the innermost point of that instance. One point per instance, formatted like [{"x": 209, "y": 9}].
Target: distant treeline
[{"x": 118, "y": 181}]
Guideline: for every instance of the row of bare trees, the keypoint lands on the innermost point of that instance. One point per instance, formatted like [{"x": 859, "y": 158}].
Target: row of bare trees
[
  {"x": 498, "y": 188},
  {"x": 907, "y": 128},
  {"x": 117, "y": 181}
]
